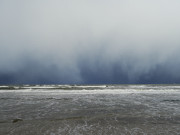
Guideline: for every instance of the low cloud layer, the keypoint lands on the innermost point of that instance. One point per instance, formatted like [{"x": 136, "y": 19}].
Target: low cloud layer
[{"x": 89, "y": 42}]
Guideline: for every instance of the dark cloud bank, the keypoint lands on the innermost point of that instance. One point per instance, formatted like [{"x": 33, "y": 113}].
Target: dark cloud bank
[{"x": 89, "y": 42}]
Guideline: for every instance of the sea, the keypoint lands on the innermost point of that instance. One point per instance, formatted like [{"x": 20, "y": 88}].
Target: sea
[{"x": 90, "y": 109}]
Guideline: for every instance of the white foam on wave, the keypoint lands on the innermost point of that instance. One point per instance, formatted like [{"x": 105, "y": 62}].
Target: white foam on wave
[
  {"x": 63, "y": 86},
  {"x": 4, "y": 86},
  {"x": 39, "y": 87},
  {"x": 95, "y": 91},
  {"x": 16, "y": 90},
  {"x": 91, "y": 86}
]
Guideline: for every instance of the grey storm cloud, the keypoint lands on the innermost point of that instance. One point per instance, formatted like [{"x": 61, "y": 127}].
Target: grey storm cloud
[{"x": 89, "y": 41}]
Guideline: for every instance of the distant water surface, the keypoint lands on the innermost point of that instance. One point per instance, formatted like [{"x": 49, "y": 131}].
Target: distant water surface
[{"x": 90, "y": 110}]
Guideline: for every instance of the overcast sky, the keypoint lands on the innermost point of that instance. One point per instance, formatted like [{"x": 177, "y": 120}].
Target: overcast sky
[{"x": 89, "y": 41}]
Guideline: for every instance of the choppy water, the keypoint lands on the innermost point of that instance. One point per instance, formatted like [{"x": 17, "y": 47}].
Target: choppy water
[{"x": 90, "y": 110}]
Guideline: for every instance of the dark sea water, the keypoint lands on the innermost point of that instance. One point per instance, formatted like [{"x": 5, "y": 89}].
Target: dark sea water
[{"x": 90, "y": 110}]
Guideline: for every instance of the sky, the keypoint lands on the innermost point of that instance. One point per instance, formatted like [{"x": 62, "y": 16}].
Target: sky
[{"x": 89, "y": 41}]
